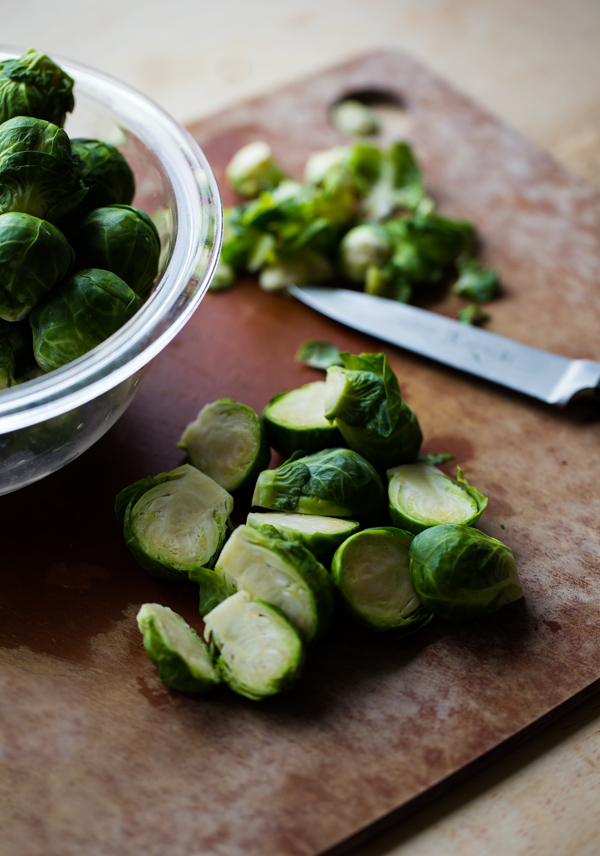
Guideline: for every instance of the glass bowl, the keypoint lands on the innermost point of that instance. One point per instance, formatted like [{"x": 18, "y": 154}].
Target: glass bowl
[{"x": 49, "y": 421}]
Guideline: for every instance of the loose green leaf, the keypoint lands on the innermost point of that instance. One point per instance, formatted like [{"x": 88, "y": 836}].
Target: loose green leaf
[{"x": 318, "y": 354}]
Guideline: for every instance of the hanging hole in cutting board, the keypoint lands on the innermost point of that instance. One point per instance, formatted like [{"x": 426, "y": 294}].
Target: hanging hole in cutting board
[{"x": 390, "y": 110}]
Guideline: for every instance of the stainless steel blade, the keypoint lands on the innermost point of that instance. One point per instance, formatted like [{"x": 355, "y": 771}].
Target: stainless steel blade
[{"x": 540, "y": 374}]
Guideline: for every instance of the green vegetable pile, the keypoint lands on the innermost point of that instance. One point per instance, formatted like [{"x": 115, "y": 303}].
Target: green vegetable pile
[
  {"x": 76, "y": 258},
  {"x": 361, "y": 214},
  {"x": 322, "y": 533}
]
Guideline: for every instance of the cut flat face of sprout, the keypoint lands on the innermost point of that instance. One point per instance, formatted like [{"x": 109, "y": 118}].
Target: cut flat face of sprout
[
  {"x": 333, "y": 482},
  {"x": 282, "y": 573},
  {"x": 175, "y": 522},
  {"x": 182, "y": 657},
  {"x": 253, "y": 169},
  {"x": 363, "y": 399},
  {"x": 421, "y": 495},
  {"x": 258, "y": 651},
  {"x": 295, "y": 420},
  {"x": 227, "y": 441},
  {"x": 459, "y": 572},
  {"x": 321, "y": 535},
  {"x": 372, "y": 572}
]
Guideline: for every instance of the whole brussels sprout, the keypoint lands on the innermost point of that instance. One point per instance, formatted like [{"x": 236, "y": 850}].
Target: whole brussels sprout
[
  {"x": 105, "y": 172},
  {"x": 123, "y": 240},
  {"x": 34, "y": 257},
  {"x": 460, "y": 572},
  {"x": 33, "y": 85},
  {"x": 7, "y": 361},
  {"x": 78, "y": 314},
  {"x": 38, "y": 173}
]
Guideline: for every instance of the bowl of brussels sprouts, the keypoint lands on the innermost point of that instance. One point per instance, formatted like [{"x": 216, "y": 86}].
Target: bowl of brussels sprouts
[{"x": 110, "y": 232}]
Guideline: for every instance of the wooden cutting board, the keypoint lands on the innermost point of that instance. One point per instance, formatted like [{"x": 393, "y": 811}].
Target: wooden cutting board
[{"x": 97, "y": 756}]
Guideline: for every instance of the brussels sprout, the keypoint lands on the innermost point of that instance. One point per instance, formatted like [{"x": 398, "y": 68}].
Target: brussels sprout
[
  {"x": 333, "y": 482},
  {"x": 364, "y": 400},
  {"x": 259, "y": 653},
  {"x": 280, "y": 572},
  {"x": 318, "y": 354},
  {"x": 227, "y": 441},
  {"x": 354, "y": 118},
  {"x": 295, "y": 420},
  {"x": 105, "y": 172},
  {"x": 388, "y": 281},
  {"x": 308, "y": 266},
  {"x": 78, "y": 314},
  {"x": 364, "y": 246},
  {"x": 33, "y": 85},
  {"x": 321, "y": 535},
  {"x": 34, "y": 257},
  {"x": 459, "y": 572},
  {"x": 421, "y": 496},
  {"x": 253, "y": 169},
  {"x": 175, "y": 522},
  {"x": 183, "y": 659},
  {"x": 123, "y": 240},
  {"x": 372, "y": 572},
  {"x": 38, "y": 173},
  {"x": 7, "y": 361}
]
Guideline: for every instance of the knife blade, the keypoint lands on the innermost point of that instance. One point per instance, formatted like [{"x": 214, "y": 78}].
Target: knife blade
[{"x": 540, "y": 374}]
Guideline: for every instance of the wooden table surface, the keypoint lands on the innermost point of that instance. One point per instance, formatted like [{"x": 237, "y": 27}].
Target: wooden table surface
[{"x": 536, "y": 65}]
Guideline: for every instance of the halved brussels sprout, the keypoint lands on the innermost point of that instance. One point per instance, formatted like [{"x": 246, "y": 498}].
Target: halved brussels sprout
[
  {"x": 283, "y": 573},
  {"x": 420, "y": 496},
  {"x": 182, "y": 657},
  {"x": 295, "y": 420},
  {"x": 372, "y": 572},
  {"x": 364, "y": 400},
  {"x": 258, "y": 651},
  {"x": 80, "y": 313},
  {"x": 175, "y": 522},
  {"x": 459, "y": 572},
  {"x": 333, "y": 482},
  {"x": 34, "y": 257},
  {"x": 227, "y": 441},
  {"x": 321, "y": 535}
]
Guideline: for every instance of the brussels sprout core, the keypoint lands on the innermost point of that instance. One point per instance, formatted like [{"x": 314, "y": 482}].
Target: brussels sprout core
[
  {"x": 421, "y": 495},
  {"x": 372, "y": 572},
  {"x": 259, "y": 651},
  {"x": 183, "y": 660}
]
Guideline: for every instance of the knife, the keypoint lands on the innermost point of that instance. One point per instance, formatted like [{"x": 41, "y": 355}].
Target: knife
[{"x": 534, "y": 372}]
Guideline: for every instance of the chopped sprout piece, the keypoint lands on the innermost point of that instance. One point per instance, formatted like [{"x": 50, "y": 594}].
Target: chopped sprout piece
[
  {"x": 258, "y": 652},
  {"x": 362, "y": 247},
  {"x": 321, "y": 535},
  {"x": 420, "y": 496},
  {"x": 182, "y": 657},
  {"x": 318, "y": 354},
  {"x": 460, "y": 573},
  {"x": 476, "y": 284},
  {"x": 354, "y": 118},
  {"x": 175, "y": 522},
  {"x": 372, "y": 572},
  {"x": 473, "y": 315},
  {"x": 283, "y": 573},
  {"x": 227, "y": 441},
  {"x": 296, "y": 420},
  {"x": 253, "y": 169}
]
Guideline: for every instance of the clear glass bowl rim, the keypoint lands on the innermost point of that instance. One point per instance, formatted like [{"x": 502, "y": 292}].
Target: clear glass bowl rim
[{"x": 195, "y": 253}]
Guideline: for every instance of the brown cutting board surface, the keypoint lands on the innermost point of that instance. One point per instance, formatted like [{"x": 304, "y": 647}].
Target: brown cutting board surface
[{"x": 97, "y": 756}]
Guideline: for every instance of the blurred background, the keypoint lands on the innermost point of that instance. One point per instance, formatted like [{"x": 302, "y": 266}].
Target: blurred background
[{"x": 535, "y": 64}]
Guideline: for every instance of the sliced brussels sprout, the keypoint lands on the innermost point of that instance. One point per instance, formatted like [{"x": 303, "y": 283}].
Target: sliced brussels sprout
[
  {"x": 333, "y": 482},
  {"x": 227, "y": 441},
  {"x": 295, "y": 420},
  {"x": 175, "y": 522},
  {"x": 321, "y": 535},
  {"x": 364, "y": 400},
  {"x": 283, "y": 573},
  {"x": 460, "y": 573},
  {"x": 253, "y": 169},
  {"x": 372, "y": 572},
  {"x": 123, "y": 240},
  {"x": 78, "y": 314},
  {"x": 182, "y": 657},
  {"x": 258, "y": 651},
  {"x": 34, "y": 257},
  {"x": 420, "y": 496},
  {"x": 33, "y": 85}
]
